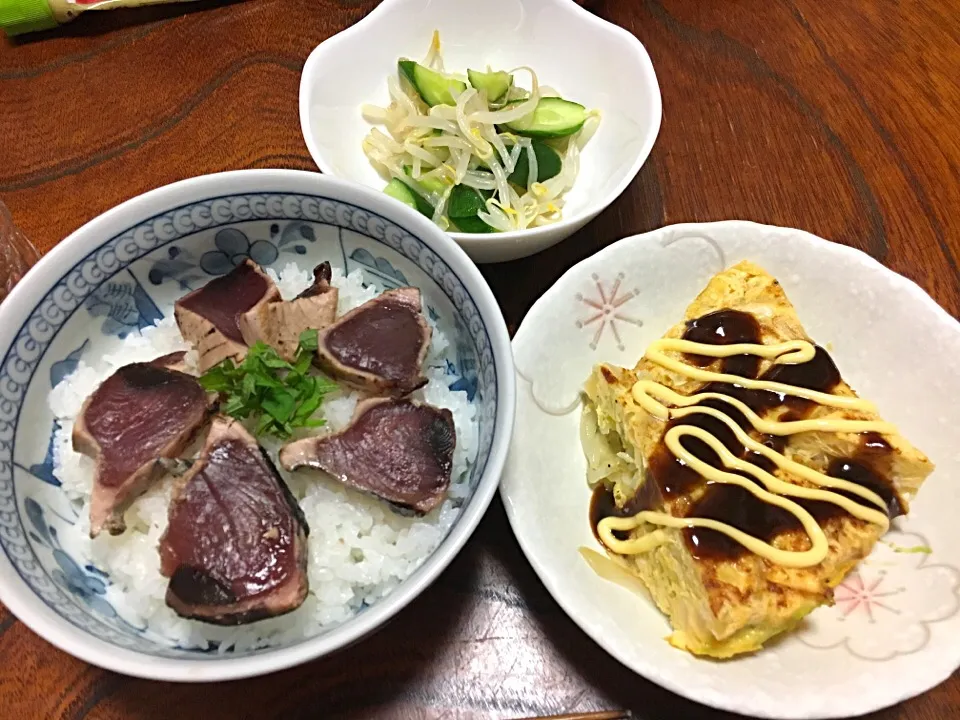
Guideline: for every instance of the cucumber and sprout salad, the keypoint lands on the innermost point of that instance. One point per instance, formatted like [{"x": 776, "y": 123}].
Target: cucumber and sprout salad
[{"x": 477, "y": 153}]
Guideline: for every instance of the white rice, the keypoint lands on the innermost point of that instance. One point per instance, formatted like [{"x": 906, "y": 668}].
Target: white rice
[{"x": 359, "y": 549}]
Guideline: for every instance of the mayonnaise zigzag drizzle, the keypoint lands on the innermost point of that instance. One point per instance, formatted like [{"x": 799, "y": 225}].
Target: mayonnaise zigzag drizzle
[{"x": 665, "y": 404}]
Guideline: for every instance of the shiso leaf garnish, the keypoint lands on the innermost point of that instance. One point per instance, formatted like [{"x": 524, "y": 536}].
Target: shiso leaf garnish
[{"x": 279, "y": 395}]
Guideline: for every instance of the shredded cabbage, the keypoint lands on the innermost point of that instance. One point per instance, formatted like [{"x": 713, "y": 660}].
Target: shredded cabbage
[{"x": 436, "y": 148}]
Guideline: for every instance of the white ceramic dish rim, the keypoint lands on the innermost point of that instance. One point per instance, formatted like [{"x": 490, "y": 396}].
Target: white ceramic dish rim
[
  {"x": 574, "y": 221},
  {"x": 35, "y": 614},
  {"x": 650, "y": 671}
]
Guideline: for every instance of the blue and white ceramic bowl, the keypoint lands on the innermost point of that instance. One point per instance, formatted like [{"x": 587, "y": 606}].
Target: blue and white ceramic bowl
[{"x": 122, "y": 272}]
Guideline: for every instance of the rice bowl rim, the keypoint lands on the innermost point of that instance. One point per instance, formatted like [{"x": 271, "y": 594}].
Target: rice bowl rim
[{"x": 34, "y": 612}]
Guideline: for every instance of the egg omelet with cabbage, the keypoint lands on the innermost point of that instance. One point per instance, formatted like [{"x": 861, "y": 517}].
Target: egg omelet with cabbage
[{"x": 735, "y": 473}]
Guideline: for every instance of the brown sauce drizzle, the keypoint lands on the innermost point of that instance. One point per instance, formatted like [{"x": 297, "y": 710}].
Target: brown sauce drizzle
[
  {"x": 725, "y": 327},
  {"x": 670, "y": 477},
  {"x": 603, "y": 504},
  {"x": 860, "y": 470}
]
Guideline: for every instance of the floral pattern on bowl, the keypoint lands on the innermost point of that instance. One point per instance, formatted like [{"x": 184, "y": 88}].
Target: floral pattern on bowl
[{"x": 131, "y": 281}]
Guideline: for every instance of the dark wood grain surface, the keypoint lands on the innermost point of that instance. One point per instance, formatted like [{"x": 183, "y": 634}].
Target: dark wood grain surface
[{"x": 840, "y": 118}]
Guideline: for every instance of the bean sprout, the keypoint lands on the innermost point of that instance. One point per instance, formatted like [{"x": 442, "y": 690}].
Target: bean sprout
[{"x": 434, "y": 150}]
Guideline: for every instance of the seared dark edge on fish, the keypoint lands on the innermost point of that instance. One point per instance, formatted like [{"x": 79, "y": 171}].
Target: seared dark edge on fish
[
  {"x": 208, "y": 318},
  {"x": 380, "y": 346},
  {"x": 322, "y": 275},
  {"x": 174, "y": 361},
  {"x": 279, "y": 323},
  {"x": 398, "y": 450},
  {"x": 142, "y": 412},
  {"x": 235, "y": 546}
]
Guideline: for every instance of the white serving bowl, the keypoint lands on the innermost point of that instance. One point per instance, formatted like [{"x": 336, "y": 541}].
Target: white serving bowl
[
  {"x": 585, "y": 58},
  {"x": 122, "y": 272}
]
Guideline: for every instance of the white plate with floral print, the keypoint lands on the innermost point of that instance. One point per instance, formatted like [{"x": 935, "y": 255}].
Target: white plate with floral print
[{"x": 894, "y": 631}]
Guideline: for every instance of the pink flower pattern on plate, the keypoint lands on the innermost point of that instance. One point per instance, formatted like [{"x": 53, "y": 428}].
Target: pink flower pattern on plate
[
  {"x": 889, "y": 604},
  {"x": 855, "y": 594},
  {"x": 607, "y": 310}
]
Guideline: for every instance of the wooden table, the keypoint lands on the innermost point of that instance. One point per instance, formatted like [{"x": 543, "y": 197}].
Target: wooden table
[{"x": 838, "y": 119}]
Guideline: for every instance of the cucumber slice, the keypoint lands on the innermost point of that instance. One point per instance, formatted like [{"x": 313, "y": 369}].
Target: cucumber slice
[
  {"x": 423, "y": 205},
  {"x": 435, "y": 88},
  {"x": 464, "y": 202},
  {"x": 430, "y": 184},
  {"x": 549, "y": 164},
  {"x": 472, "y": 225},
  {"x": 497, "y": 84},
  {"x": 553, "y": 117},
  {"x": 399, "y": 190},
  {"x": 462, "y": 208}
]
